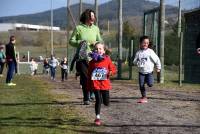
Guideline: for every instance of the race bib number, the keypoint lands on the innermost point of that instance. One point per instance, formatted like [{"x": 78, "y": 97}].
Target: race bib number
[
  {"x": 99, "y": 74},
  {"x": 142, "y": 62}
]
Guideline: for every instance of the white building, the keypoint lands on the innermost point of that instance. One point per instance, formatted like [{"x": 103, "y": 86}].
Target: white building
[{"x": 20, "y": 26}]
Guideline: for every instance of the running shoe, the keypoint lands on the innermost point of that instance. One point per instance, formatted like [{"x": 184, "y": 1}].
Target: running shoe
[
  {"x": 143, "y": 100},
  {"x": 97, "y": 122},
  {"x": 11, "y": 84},
  {"x": 86, "y": 103}
]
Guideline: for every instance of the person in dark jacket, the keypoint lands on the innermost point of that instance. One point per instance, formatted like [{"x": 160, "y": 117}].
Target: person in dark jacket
[{"x": 11, "y": 60}]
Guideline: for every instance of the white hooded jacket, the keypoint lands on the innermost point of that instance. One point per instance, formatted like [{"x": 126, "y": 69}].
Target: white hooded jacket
[{"x": 145, "y": 60}]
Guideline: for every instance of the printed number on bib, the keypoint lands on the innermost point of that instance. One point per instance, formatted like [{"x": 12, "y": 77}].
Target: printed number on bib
[{"x": 99, "y": 74}]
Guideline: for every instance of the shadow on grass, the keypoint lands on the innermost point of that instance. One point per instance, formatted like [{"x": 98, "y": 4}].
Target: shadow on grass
[
  {"x": 41, "y": 103},
  {"x": 41, "y": 122},
  {"x": 17, "y": 120},
  {"x": 75, "y": 125}
]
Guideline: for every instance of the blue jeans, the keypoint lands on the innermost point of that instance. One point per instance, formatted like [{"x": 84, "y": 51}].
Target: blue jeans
[
  {"x": 10, "y": 72},
  {"x": 53, "y": 72},
  {"x": 145, "y": 78}
]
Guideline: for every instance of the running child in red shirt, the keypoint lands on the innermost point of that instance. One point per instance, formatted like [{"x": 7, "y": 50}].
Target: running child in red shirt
[{"x": 99, "y": 72}]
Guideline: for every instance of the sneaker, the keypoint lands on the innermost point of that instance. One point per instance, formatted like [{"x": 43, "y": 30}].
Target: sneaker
[
  {"x": 11, "y": 84},
  {"x": 86, "y": 103},
  {"x": 91, "y": 99},
  {"x": 143, "y": 100},
  {"x": 97, "y": 122},
  {"x": 1, "y": 75}
]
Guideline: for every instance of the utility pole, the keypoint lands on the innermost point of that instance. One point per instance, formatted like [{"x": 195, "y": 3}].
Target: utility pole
[
  {"x": 131, "y": 60},
  {"x": 68, "y": 2},
  {"x": 144, "y": 24},
  {"x": 80, "y": 8},
  {"x": 162, "y": 38},
  {"x": 108, "y": 24},
  {"x": 96, "y": 11},
  {"x": 179, "y": 18},
  {"x": 180, "y": 37},
  {"x": 120, "y": 41},
  {"x": 52, "y": 52}
]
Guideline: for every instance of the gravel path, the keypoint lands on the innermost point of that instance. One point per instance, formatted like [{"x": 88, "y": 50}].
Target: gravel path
[{"x": 168, "y": 110}]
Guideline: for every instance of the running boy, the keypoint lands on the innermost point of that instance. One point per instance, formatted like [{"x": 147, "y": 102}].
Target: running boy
[
  {"x": 145, "y": 59},
  {"x": 99, "y": 71}
]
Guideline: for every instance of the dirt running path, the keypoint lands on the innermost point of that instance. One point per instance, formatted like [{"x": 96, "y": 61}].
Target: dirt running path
[{"x": 168, "y": 111}]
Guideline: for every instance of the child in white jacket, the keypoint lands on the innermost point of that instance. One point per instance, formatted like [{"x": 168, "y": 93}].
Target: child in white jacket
[
  {"x": 145, "y": 59},
  {"x": 33, "y": 67}
]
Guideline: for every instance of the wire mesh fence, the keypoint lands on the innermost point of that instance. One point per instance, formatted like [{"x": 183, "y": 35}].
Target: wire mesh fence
[{"x": 38, "y": 43}]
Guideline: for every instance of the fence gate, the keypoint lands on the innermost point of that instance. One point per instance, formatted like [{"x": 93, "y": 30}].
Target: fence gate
[{"x": 191, "y": 59}]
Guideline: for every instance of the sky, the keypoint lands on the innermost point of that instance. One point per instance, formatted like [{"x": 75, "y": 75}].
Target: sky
[{"x": 21, "y": 7}]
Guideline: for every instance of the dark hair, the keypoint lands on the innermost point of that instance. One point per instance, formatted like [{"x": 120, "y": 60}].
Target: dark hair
[
  {"x": 99, "y": 42},
  {"x": 86, "y": 15},
  {"x": 150, "y": 44},
  {"x": 142, "y": 38},
  {"x": 12, "y": 38}
]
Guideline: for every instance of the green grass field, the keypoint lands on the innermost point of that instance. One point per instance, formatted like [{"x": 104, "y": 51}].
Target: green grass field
[
  {"x": 171, "y": 78},
  {"x": 29, "y": 107}
]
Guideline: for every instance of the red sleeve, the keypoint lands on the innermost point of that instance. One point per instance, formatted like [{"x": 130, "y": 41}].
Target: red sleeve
[{"x": 111, "y": 67}]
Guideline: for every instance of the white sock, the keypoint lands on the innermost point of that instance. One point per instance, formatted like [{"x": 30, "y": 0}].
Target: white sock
[{"x": 98, "y": 116}]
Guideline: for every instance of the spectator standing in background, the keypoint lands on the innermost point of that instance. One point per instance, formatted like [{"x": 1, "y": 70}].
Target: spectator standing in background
[
  {"x": 53, "y": 63},
  {"x": 11, "y": 60},
  {"x": 64, "y": 69},
  {"x": 2, "y": 60}
]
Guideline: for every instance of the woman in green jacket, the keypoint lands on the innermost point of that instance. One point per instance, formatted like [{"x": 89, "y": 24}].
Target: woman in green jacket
[{"x": 84, "y": 37}]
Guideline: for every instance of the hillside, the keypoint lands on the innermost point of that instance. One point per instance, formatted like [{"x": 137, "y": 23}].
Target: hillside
[{"x": 107, "y": 11}]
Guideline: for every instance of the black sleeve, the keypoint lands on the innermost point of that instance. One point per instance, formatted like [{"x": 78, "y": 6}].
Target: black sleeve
[
  {"x": 61, "y": 63},
  {"x": 10, "y": 52},
  {"x": 73, "y": 61}
]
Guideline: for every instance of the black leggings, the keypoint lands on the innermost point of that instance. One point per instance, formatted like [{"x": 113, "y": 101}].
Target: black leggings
[
  {"x": 82, "y": 69},
  {"x": 101, "y": 96},
  {"x": 64, "y": 74}
]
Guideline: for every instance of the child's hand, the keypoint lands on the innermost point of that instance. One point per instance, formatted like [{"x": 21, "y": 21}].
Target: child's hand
[
  {"x": 198, "y": 50},
  {"x": 158, "y": 70},
  {"x": 110, "y": 73}
]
